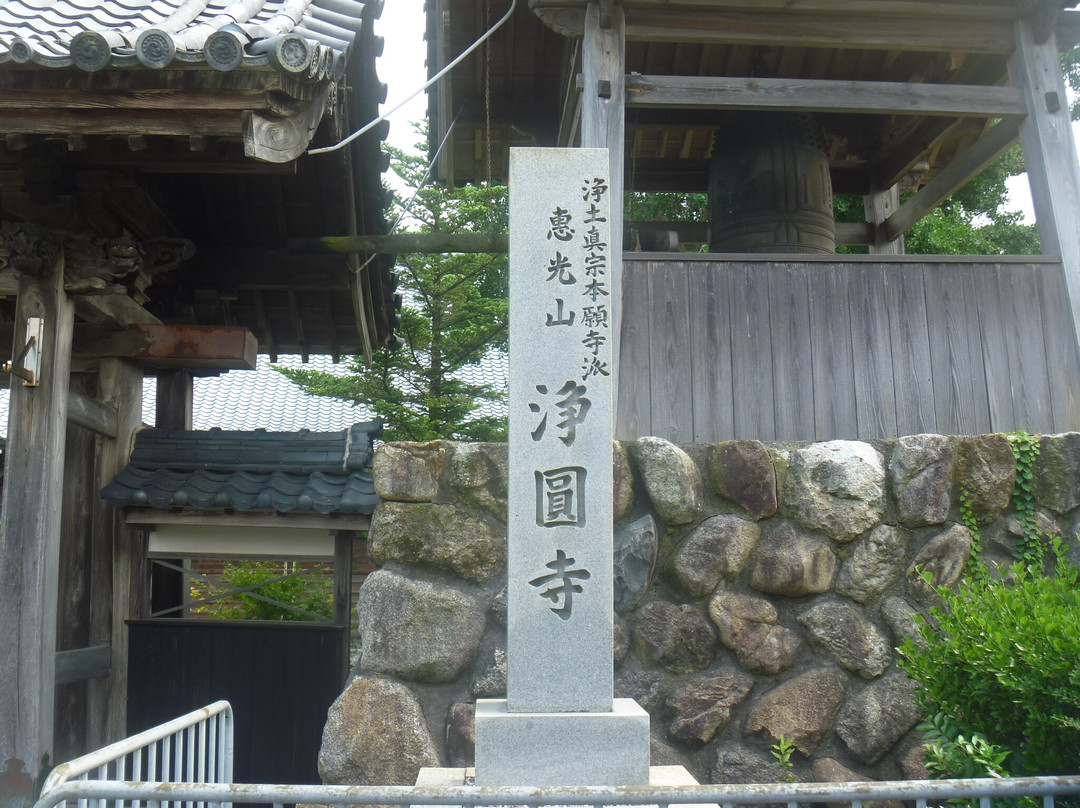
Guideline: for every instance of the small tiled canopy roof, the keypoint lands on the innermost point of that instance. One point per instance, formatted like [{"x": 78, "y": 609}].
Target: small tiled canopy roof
[
  {"x": 327, "y": 472},
  {"x": 307, "y": 37}
]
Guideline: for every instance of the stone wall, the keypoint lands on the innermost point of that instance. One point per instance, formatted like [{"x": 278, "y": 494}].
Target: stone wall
[{"x": 760, "y": 591}]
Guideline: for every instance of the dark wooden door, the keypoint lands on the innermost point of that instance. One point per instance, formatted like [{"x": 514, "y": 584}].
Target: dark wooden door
[{"x": 279, "y": 677}]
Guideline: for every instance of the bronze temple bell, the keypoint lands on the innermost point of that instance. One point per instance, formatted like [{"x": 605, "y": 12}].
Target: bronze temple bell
[{"x": 769, "y": 186}]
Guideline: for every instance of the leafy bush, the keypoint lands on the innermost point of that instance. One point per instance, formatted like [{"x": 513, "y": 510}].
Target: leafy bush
[
  {"x": 1000, "y": 676},
  {"x": 313, "y": 593}
]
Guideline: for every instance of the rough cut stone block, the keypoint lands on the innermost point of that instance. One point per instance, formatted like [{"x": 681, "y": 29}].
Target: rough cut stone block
[
  {"x": 801, "y": 709},
  {"x": 837, "y": 487},
  {"x": 790, "y": 562},
  {"x": 748, "y": 626},
  {"x": 943, "y": 557},
  {"x": 443, "y": 537},
  {"x": 409, "y": 472},
  {"x": 703, "y": 707},
  {"x": 742, "y": 471},
  {"x": 876, "y": 561},
  {"x": 899, "y": 616},
  {"x": 634, "y": 558},
  {"x": 375, "y": 734},
  {"x": 460, "y": 734},
  {"x": 478, "y": 476},
  {"x": 1056, "y": 472},
  {"x": 921, "y": 471},
  {"x": 718, "y": 547},
  {"x": 827, "y": 770},
  {"x": 878, "y": 716},
  {"x": 418, "y": 629},
  {"x": 844, "y": 633},
  {"x": 561, "y": 749},
  {"x": 737, "y": 764},
  {"x": 671, "y": 479},
  {"x": 677, "y": 637},
  {"x": 985, "y": 473},
  {"x": 622, "y": 481}
]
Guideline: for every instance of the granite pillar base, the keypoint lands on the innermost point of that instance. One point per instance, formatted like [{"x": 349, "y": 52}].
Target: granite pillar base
[{"x": 562, "y": 749}]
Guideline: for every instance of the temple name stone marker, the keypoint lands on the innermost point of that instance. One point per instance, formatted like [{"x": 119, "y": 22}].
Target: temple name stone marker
[{"x": 559, "y": 724}]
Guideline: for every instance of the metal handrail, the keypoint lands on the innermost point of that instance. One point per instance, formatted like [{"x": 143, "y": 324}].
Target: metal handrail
[
  {"x": 196, "y": 746},
  {"x": 921, "y": 792}
]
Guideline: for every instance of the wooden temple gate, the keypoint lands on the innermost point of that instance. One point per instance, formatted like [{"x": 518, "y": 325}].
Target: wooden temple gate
[{"x": 152, "y": 169}]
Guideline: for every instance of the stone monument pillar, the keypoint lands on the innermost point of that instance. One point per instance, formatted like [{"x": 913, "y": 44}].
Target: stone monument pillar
[{"x": 559, "y": 724}]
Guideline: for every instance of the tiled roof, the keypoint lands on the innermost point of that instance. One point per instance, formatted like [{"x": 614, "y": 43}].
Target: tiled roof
[
  {"x": 264, "y": 399},
  {"x": 302, "y": 37},
  {"x": 283, "y": 471}
]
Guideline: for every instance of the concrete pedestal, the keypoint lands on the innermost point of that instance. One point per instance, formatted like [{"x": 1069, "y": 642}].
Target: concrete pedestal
[
  {"x": 562, "y": 749},
  {"x": 658, "y": 776}
]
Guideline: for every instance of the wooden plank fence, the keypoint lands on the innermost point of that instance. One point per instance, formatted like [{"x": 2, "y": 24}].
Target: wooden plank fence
[{"x": 790, "y": 348}]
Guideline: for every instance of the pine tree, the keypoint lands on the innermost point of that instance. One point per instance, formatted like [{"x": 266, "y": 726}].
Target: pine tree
[{"x": 454, "y": 312}]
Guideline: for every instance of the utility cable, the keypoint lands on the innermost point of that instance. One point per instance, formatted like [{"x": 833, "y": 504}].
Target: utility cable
[{"x": 423, "y": 87}]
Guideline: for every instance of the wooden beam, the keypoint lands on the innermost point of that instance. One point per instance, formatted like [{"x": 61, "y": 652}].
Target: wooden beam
[
  {"x": 64, "y": 99},
  {"x": 123, "y": 122},
  {"x": 149, "y": 516},
  {"x": 174, "y": 400},
  {"x": 782, "y": 27},
  {"x": 954, "y": 176},
  {"x": 1054, "y": 176},
  {"x": 806, "y": 95},
  {"x": 91, "y": 414},
  {"x": 603, "y": 126},
  {"x": 81, "y": 664},
  {"x": 879, "y": 205},
  {"x": 118, "y": 311},
  {"x": 403, "y": 243},
  {"x": 119, "y": 558},
  {"x": 194, "y": 347},
  {"x": 30, "y": 530}
]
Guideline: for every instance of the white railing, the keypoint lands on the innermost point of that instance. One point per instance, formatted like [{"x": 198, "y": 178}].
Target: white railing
[
  {"x": 194, "y": 748},
  {"x": 1012, "y": 792},
  {"x": 187, "y": 763}
]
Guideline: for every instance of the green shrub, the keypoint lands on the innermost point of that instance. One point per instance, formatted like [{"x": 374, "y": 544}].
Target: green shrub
[
  {"x": 314, "y": 593},
  {"x": 1001, "y": 673}
]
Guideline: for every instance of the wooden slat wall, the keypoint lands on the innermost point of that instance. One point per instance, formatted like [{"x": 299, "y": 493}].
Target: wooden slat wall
[{"x": 844, "y": 347}]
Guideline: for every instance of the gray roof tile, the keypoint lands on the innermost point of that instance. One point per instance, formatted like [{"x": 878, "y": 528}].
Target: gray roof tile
[
  {"x": 250, "y": 469},
  {"x": 263, "y": 398},
  {"x": 124, "y": 33}
]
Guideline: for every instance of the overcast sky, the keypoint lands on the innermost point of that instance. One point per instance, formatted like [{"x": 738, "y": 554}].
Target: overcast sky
[{"x": 401, "y": 66}]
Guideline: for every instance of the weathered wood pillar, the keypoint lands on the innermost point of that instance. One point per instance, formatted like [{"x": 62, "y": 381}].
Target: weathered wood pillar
[
  {"x": 880, "y": 205},
  {"x": 343, "y": 611},
  {"x": 603, "y": 126},
  {"x": 30, "y": 530},
  {"x": 174, "y": 397},
  {"x": 1054, "y": 175},
  {"x": 118, "y": 574}
]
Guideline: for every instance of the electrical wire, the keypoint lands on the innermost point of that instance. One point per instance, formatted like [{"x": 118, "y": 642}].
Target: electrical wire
[
  {"x": 423, "y": 181},
  {"x": 423, "y": 87}
]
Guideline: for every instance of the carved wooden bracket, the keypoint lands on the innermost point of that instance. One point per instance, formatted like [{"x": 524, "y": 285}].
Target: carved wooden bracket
[
  {"x": 92, "y": 264},
  {"x": 95, "y": 265},
  {"x": 28, "y": 249}
]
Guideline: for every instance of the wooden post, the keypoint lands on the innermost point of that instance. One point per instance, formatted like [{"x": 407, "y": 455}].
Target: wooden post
[
  {"x": 343, "y": 555},
  {"x": 603, "y": 126},
  {"x": 174, "y": 390},
  {"x": 30, "y": 531},
  {"x": 1050, "y": 154},
  {"x": 118, "y": 557},
  {"x": 880, "y": 205}
]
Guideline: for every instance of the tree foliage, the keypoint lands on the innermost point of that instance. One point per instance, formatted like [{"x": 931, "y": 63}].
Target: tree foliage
[
  {"x": 454, "y": 312},
  {"x": 313, "y": 593},
  {"x": 999, "y": 672}
]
